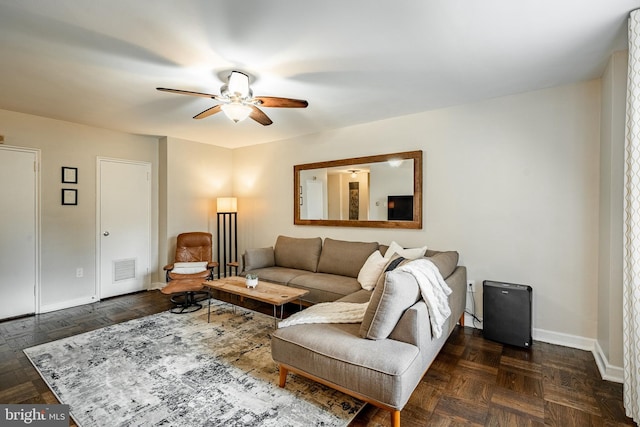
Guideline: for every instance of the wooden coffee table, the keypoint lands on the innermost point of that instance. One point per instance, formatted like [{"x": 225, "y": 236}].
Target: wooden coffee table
[{"x": 270, "y": 293}]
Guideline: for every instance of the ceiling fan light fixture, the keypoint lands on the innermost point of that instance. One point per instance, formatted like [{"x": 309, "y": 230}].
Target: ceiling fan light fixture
[
  {"x": 237, "y": 101},
  {"x": 239, "y": 85},
  {"x": 236, "y": 111}
]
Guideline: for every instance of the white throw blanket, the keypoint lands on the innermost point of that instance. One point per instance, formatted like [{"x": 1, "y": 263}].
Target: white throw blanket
[
  {"x": 328, "y": 312},
  {"x": 434, "y": 291}
]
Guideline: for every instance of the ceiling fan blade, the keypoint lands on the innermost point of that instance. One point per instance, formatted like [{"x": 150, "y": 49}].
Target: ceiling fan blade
[
  {"x": 272, "y": 101},
  {"x": 259, "y": 116},
  {"x": 187, "y": 92},
  {"x": 208, "y": 112}
]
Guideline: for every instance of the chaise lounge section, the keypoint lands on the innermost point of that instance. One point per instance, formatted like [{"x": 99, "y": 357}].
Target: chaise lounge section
[{"x": 380, "y": 360}]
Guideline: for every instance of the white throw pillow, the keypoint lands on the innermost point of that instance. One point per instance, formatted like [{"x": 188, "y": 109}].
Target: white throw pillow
[
  {"x": 189, "y": 267},
  {"x": 371, "y": 270},
  {"x": 410, "y": 253}
]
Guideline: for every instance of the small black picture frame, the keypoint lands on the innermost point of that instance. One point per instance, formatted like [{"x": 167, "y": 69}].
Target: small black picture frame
[
  {"x": 69, "y": 196},
  {"x": 69, "y": 175}
]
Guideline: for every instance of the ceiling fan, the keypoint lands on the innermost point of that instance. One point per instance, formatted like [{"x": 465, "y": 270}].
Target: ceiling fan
[{"x": 238, "y": 102}]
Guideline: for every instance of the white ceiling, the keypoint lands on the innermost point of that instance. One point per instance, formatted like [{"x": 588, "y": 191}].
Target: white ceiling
[{"x": 99, "y": 62}]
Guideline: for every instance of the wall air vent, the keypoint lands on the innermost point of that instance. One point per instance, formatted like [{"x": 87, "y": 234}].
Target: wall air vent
[{"x": 124, "y": 269}]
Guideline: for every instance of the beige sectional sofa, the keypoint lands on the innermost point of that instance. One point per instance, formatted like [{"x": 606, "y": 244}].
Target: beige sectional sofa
[{"x": 380, "y": 360}]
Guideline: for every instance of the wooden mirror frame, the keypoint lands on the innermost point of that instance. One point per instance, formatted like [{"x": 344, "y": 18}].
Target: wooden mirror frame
[{"x": 416, "y": 156}]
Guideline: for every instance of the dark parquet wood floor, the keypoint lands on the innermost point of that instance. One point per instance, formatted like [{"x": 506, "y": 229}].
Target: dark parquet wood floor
[{"x": 472, "y": 382}]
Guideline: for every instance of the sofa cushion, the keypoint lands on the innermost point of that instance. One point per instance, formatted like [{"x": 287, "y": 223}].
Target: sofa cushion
[
  {"x": 358, "y": 297},
  {"x": 371, "y": 270},
  {"x": 259, "y": 258},
  {"x": 411, "y": 253},
  {"x": 279, "y": 275},
  {"x": 324, "y": 287},
  {"x": 298, "y": 253},
  {"x": 388, "y": 302},
  {"x": 344, "y": 258},
  {"x": 445, "y": 261},
  {"x": 394, "y": 262}
]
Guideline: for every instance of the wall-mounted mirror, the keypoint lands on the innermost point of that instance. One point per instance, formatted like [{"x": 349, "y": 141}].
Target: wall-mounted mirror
[{"x": 383, "y": 191}]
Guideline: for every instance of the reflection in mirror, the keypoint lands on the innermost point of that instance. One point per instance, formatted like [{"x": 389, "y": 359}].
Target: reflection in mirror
[{"x": 375, "y": 191}]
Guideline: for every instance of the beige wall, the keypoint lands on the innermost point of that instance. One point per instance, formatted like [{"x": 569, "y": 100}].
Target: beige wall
[
  {"x": 68, "y": 233},
  {"x": 511, "y": 183},
  {"x": 614, "y": 84},
  {"x": 193, "y": 176}
]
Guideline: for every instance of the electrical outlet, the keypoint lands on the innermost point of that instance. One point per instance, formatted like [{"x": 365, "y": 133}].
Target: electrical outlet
[
  {"x": 79, "y": 272},
  {"x": 471, "y": 285}
]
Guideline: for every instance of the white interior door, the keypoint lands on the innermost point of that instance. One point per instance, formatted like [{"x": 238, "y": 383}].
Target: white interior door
[
  {"x": 18, "y": 231},
  {"x": 124, "y": 210}
]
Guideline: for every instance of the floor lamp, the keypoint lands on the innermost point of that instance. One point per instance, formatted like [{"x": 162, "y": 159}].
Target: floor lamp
[{"x": 227, "y": 235}]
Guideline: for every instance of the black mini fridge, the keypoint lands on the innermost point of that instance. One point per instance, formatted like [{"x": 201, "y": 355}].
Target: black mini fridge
[{"x": 507, "y": 313}]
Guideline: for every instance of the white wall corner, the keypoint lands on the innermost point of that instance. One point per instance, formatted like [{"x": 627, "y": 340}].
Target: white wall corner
[{"x": 607, "y": 371}]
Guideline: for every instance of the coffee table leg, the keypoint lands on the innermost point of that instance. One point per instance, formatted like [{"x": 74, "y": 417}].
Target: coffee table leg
[{"x": 275, "y": 317}]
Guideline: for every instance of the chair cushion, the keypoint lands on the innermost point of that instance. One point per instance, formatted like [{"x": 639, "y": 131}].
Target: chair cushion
[
  {"x": 189, "y": 267},
  {"x": 183, "y": 285},
  {"x": 298, "y": 253},
  {"x": 388, "y": 302},
  {"x": 344, "y": 258}
]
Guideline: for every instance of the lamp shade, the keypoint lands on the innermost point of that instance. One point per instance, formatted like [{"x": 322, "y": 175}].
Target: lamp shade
[{"x": 227, "y": 204}]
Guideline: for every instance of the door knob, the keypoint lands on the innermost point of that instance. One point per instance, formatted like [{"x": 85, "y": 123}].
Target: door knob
[{"x": 106, "y": 233}]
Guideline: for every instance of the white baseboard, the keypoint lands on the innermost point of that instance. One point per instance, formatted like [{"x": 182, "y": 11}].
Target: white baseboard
[
  {"x": 566, "y": 340},
  {"x": 47, "y": 308},
  {"x": 67, "y": 304},
  {"x": 608, "y": 371},
  {"x": 157, "y": 285}
]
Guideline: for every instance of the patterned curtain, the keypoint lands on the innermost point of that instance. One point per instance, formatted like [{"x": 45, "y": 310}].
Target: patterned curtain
[{"x": 631, "y": 285}]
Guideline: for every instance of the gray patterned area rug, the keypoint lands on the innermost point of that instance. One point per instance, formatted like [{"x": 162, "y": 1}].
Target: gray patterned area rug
[{"x": 178, "y": 370}]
